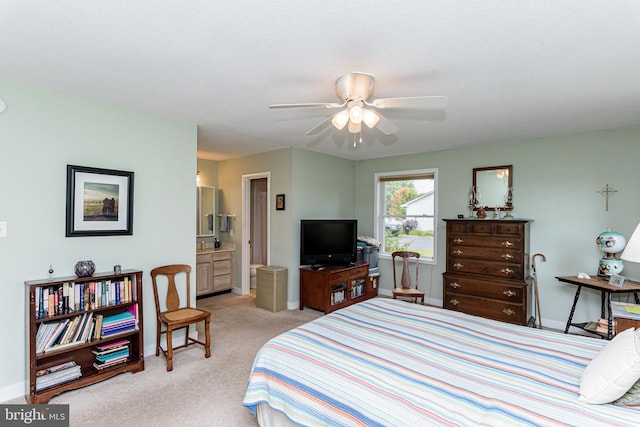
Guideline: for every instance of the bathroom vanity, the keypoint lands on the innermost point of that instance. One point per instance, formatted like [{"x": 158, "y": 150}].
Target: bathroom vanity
[{"x": 214, "y": 269}]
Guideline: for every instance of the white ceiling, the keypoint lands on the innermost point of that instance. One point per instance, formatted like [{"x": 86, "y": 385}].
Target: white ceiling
[{"x": 512, "y": 70}]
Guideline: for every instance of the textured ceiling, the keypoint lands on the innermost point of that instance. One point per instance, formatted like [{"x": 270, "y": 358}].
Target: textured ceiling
[{"x": 512, "y": 70}]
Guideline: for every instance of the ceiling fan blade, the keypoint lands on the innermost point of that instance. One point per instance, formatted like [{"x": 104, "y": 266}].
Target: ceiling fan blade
[
  {"x": 307, "y": 105},
  {"x": 411, "y": 102},
  {"x": 325, "y": 123},
  {"x": 386, "y": 126}
]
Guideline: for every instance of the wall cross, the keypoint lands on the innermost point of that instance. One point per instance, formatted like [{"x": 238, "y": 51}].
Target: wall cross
[{"x": 605, "y": 191}]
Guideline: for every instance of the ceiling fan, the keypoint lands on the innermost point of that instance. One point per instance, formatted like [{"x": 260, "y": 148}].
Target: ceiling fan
[{"x": 354, "y": 90}]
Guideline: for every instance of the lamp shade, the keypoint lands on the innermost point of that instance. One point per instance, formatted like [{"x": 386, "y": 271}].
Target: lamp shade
[
  {"x": 632, "y": 250},
  {"x": 340, "y": 120}
]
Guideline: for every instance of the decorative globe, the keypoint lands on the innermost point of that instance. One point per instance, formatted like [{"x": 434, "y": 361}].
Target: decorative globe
[
  {"x": 611, "y": 242},
  {"x": 85, "y": 268}
]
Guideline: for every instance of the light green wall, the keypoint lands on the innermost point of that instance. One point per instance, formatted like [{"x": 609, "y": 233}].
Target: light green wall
[
  {"x": 323, "y": 188},
  {"x": 278, "y": 165},
  {"x": 40, "y": 133},
  {"x": 315, "y": 186},
  {"x": 555, "y": 183}
]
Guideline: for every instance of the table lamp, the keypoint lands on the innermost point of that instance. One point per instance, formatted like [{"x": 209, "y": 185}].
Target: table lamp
[
  {"x": 610, "y": 242},
  {"x": 632, "y": 250}
]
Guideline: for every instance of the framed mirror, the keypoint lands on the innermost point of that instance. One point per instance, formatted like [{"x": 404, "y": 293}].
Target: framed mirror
[
  {"x": 206, "y": 211},
  {"x": 493, "y": 187}
]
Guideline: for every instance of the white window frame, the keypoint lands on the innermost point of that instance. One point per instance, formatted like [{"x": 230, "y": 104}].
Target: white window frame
[{"x": 379, "y": 201}]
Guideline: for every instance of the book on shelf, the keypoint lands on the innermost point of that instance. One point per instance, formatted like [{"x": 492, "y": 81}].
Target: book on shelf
[
  {"x": 71, "y": 297},
  {"x": 601, "y": 326},
  {"x": 58, "y": 374},
  {"x": 111, "y": 354},
  {"x": 120, "y": 322},
  {"x": 65, "y": 333}
]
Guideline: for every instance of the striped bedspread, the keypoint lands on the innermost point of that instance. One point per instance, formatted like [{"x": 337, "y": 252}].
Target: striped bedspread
[{"x": 385, "y": 362}]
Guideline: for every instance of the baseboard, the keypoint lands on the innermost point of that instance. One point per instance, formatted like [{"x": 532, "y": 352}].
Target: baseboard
[{"x": 13, "y": 391}]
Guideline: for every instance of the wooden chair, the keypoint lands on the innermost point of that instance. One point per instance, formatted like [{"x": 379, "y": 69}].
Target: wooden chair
[
  {"x": 176, "y": 317},
  {"x": 406, "y": 288}
]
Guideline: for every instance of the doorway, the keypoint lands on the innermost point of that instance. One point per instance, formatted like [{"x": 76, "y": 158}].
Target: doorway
[{"x": 255, "y": 228}]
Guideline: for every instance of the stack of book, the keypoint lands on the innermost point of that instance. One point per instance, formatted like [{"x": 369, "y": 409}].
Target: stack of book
[
  {"x": 58, "y": 374},
  {"x": 118, "y": 323},
  {"x": 111, "y": 354},
  {"x": 625, "y": 310},
  {"x": 601, "y": 326}
]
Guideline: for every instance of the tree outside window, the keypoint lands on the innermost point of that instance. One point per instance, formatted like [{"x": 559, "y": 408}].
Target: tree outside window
[{"x": 406, "y": 212}]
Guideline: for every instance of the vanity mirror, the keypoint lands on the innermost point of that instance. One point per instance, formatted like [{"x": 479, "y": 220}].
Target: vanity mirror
[
  {"x": 493, "y": 187},
  {"x": 206, "y": 202}
]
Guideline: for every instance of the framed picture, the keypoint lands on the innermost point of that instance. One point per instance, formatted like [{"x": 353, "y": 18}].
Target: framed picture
[
  {"x": 279, "y": 202},
  {"x": 99, "y": 202},
  {"x": 617, "y": 281}
]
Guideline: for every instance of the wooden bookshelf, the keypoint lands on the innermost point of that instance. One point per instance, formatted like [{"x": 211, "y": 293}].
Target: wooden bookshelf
[{"x": 83, "y": 302}]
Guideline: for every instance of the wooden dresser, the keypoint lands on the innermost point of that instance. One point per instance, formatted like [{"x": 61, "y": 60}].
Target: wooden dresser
[{"x": 487, "y": 268}]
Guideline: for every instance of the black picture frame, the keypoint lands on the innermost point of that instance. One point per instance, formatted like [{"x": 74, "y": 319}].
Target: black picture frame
[
  {"x": 99, "y": 202},
  {"x": 279, "y": 202}
]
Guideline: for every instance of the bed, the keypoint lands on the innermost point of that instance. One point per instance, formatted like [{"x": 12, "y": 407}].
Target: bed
[{"x": 385, "y": 362}]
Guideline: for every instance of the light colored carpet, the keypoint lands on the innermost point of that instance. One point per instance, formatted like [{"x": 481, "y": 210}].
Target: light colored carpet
[{"x": 199, "y": 391}]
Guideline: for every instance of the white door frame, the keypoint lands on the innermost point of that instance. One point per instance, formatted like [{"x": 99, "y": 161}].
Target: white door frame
[{"x": 245, "y": 273}]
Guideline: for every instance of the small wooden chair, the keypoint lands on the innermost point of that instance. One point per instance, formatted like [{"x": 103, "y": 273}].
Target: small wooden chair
[
  {"x": 176, "y": 317},
  {"x": 406, "y": 288}
]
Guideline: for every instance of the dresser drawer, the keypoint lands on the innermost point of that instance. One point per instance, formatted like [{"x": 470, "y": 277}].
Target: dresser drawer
[
  {"x": 491, "y": 253},
  {"x": 490, "y": 268},
  {"x": 462, "y": 284},
  {"x": 502, "y": 242},
  {"x": 488, "y": 227},
  {"x": 484, "y": 307}
]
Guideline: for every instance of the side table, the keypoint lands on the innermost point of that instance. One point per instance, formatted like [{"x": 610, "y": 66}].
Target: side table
[{"x": 602, "y": 285}]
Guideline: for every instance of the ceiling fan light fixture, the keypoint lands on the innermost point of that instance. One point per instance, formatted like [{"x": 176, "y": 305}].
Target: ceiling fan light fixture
[
  {"x": 340, "y": 119},
  {"x": 355, "y": 127},
  {"x": 356, "y": 114},
  {"x": 370, "y": 118}
]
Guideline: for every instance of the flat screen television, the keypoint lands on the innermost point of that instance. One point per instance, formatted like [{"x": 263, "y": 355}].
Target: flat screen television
[{"x": 328, "y": 241}]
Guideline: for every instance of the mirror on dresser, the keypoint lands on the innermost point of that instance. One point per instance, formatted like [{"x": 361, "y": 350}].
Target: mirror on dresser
[
  {"x": 493, "y": 187},
  {"x": 206, "y": 211}
]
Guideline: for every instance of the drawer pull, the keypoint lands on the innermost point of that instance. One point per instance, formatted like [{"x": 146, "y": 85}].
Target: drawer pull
[
  {"x": 454, "y": 301},
  {"x": 454, "y": 285},
  {"x": 458, "y": 240},
  {"x": 508, "y": 312},
  {"x": 458, "y": 252},
  {"x": 507, "y": 244},
  {"x": 510, "y": 293},
  {"x": 457, "y": 265},
  {"x": 506, "y": 256},
  {"x": 506, "y": 270}
]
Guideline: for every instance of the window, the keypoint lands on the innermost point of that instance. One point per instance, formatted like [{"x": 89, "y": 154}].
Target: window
[{"x": 406, "y": 212}]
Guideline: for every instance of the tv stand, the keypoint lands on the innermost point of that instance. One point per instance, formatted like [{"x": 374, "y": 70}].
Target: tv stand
[
  {"x": 330, "y": 266},
  {"x": 331, "y": 288}
]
